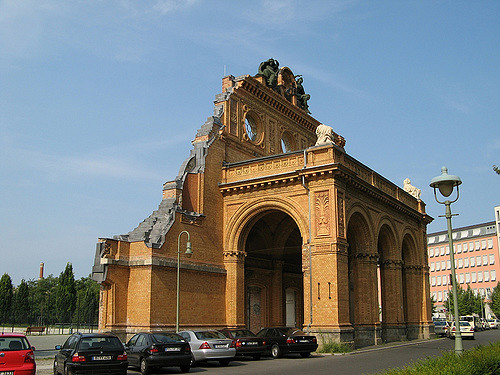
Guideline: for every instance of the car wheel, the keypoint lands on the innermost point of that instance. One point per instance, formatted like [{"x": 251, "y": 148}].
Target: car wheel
[
  {"x": 224, "y": 362},
  {"x": 275, "y": 351},
  {"x": 305, "y": 355},
  {"x": 55, "y": 368},
  {"x": 193, "y": 361},
  {"x": 256, "y": 357},
  {"x": 66, "y": 371},
  {"x": 144, "y": 367},
  {"x": 185, "y": 368}
]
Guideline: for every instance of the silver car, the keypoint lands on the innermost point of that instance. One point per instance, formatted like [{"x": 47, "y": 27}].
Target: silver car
[{"x": 209, "y": 345}]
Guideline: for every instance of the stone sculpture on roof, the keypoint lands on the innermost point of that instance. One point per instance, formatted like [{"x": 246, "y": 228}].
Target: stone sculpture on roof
[{"x": 409, "y": 188}]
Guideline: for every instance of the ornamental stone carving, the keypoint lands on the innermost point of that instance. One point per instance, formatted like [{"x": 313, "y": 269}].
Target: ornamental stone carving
[{"x": 409, "y": 188}]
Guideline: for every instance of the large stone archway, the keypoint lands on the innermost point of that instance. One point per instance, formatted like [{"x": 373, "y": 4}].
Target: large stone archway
[
  {"x": 273, "y": 266},
  {"x": 310, "y": 237}
]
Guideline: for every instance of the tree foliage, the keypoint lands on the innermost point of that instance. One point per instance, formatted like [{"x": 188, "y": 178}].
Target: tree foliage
[
  {"x": 6, "y": 295},
  {"x": 40, "y": 302},
  {"x": 495, "y": 300},
  {"x": 22, "y": 302},
  {"x": 66, "y": 295},
  {"x": 468, "y": 302}
]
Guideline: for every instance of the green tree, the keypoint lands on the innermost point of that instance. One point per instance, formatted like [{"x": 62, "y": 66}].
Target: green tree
[
  {"x": 87, "y": 305},
  {"x": 495, "y": 300},
  {"x": 6, "y": 295},
  {"x": 22, "y": 306},
  {"x": 43, "y": 300},
  {"x": 66, "y": 295},
  {"x": 468, "y": 302}
]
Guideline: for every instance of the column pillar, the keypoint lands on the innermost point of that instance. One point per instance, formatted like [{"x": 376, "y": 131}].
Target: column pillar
[
  {"x": 277, "y": 313},
  {"x": 393, "y": 326},
  {"x": 366, "y": 309},
  {"x": 234, "y": 262}
]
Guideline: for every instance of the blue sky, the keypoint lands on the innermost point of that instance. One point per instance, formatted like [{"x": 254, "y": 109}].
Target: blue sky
[{"x": 99, "y": 101}]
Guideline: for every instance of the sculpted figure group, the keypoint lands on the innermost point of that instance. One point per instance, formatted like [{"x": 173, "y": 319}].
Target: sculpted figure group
[{"x": 269, "y": 69}]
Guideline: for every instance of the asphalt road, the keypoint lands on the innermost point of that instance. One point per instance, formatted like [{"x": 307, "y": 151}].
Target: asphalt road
[{"x": 367, "y": 361}]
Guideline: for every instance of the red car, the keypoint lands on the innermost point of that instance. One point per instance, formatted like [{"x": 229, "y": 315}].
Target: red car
[{"x": 16, "y": 355}]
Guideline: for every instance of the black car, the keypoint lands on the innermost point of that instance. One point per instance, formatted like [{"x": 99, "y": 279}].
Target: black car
[
  {"x": 91, "y": 353},
  {"x": 284, "y": 340},
  {"x": 246, "y": 342},
  {"x": 151, "y": 350}
]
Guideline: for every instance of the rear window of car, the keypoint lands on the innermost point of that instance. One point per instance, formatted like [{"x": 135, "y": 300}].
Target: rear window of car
[
  {"x": 13, "y": 344},
  {"x": 242, "y": 333},
  {"x": 167, "y": 338},
  {"x": 111, "y": 343},
  {"x": 208, "y": 335},
  {"x": 291, "y": 331}
]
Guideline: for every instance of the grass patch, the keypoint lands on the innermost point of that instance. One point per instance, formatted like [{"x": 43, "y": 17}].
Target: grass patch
[
  {"x": 482, "y": 360},
  {"x": 334, "y": 347}
]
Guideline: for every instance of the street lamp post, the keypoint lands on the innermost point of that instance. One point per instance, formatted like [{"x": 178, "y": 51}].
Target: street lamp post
[
  {"x": 446, "y": 183},
  {"x": 188, "y": 253}
]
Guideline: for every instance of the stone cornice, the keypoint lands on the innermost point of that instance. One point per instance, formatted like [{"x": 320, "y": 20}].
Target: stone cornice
[
  {"x": 163, "y": 262},
  {"x": 276, "y": 101}
]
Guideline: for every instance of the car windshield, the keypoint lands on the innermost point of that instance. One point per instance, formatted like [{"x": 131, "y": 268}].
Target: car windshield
[
  {"x": 100, "y": 343},
  {"x": 242, "y": 333},
  {"x": 167, "y": 338},
  {"x": 13, "y": 343},
  {"x": 209, "y": 335},
  {"x": 288, "y": 331},
  {"x": 439, "y": 323}
]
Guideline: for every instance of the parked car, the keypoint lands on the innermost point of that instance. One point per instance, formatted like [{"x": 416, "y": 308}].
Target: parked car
[
  {"x": 150, "y": 350},
  {"x": 284, "y": 340},
  {"x": 16, "y": 355},
  {"x": 466, "y": 329},
  {"x": 209, "y": 345},
  {"x": 101, "y": 353},
  {"x": 484, "y": 324},
  {"x": 246, "y": 342},
  {"x": 440, "y": 327}
]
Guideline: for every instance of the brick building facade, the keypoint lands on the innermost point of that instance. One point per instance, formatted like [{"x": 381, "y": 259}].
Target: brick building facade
[
  {"x": 477, "y": 261},
  {"x": 283, "y": 232}
]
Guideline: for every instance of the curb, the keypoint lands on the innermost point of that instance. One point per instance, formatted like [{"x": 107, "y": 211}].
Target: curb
[{"x": 381, "y": 347}]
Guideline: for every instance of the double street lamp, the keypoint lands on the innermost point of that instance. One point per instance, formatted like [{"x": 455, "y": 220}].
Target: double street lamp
[
  {"x": 446, "y": 184},
  {"x": 188, "y": 253}
]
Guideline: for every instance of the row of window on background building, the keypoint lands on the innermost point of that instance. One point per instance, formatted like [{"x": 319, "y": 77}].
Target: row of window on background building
[
  {"x": 463, "y": 262},
  {"x": 465, "y": 278},
  {"x": 462, "y": 247},
  {"x": 442, "y": 296}
]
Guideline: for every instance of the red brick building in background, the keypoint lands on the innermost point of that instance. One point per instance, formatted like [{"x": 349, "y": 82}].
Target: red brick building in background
[{"x": 477, "y": 261}]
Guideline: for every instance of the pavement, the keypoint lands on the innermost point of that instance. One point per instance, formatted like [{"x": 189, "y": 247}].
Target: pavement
[{"x": 45, "y": 349}]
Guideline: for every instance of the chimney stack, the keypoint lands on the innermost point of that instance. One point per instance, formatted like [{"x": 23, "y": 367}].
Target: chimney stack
[{"x": 41, "y": 271}]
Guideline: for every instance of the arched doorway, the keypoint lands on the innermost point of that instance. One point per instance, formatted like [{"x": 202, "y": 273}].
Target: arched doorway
[{"x": 273, "y": 271}]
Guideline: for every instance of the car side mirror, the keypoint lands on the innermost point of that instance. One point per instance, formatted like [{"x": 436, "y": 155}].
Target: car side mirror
[
  {"x": 58, "y": 347},
  {"x": 33, "y": 348}
]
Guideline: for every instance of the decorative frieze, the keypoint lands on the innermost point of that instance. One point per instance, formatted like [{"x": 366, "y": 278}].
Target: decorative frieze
[{"x": 322, "y": 213}]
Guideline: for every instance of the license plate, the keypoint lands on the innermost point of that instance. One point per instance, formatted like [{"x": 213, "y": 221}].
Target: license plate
[
  {"x": 172, "y": 349},
  {"x": 303, "y": 340},
  {"x": 252, "y": 343},
  {"x": 102, "y": 358},
  {"x": 220, "y": 346},
  {"x": 6, "y": 372}
]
